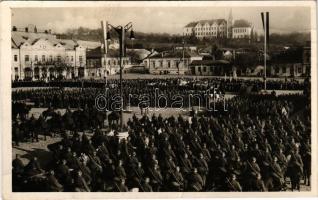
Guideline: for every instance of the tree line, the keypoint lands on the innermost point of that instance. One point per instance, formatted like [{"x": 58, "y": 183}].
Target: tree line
[{"x": 163, "y": 40}]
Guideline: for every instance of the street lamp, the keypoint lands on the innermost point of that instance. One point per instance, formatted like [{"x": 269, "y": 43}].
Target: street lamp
[{"x": 121, "y": 32}]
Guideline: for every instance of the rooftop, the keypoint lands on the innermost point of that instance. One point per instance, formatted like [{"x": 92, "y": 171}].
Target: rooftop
[
  {"x": 209, "y": 62},
  {"x": 19, "y": 38},
  {"x": 202, "y": 22},
  {"x": 175, "y": 54},
  {"x": 241, "y": 23},
  {"x": 98, "y": 52}
]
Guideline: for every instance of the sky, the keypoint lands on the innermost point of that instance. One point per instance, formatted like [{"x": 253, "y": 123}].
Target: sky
[{"x": 159, "y": 19}]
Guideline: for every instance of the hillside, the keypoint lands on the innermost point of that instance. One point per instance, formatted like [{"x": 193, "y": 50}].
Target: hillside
[{"x": 163, "y": 41}]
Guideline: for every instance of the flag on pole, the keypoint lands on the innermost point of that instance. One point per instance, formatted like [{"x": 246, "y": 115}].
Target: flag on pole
[{"x": 265, "y": 21}]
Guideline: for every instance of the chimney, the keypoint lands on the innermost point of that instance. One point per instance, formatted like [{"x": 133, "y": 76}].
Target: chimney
[
  {"x": 45, "y": 32},
  {"x": 35, "y": 30},
  {"x": 26, "y": 29},
  {"x": 14, "y": 28}
]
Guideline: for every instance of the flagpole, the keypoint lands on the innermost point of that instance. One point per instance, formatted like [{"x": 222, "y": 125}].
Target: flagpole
[
  {"x": 265, "y": 37},
  {"x": 104, "y": 28}
]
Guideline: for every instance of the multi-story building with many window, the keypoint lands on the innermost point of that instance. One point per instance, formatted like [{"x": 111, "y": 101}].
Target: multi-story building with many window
[
  {"x": 242, "y": 29},
  {"x": 40, "y": 55},
  {"x": 219, "y": 28},
  {"x": 215, "y": 28}
]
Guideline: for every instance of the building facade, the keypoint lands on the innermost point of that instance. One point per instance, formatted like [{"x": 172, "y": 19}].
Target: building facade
[
  {"x": 242, "y": 29},
  {"x": 293, "y": 62},
  {"x": 219, "y": 28},
  {"x": 41, "y": 56},
  {"x": 210, "y": 67},
  {"x": 97, "y": 67},
  {"x": 175, "y": 62},
  {"x": 288, "y": 70},
  {"x": 215, "y": 28}
]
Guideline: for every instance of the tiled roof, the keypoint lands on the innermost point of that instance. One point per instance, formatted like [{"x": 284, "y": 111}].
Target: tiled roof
[
  {"x": 99, "y": 52},
  {"x": 209, "y": 62},
  {"x": 89, "y": 44},
  {"x": 191, "y": 24},
  {"x": 141, "y": 53},
  {"x": 13, "y": 44},
  {"x": 202, "y": 22},
  {"x": 19, "y": 38},
  {"x": 68, "y": 44},
  {"x": 212, "y": 21},
  {"x": 174, "y": 54},
  {"x": 241, "y": 23}
]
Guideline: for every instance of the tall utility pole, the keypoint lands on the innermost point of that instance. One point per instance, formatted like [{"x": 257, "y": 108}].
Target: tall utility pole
[
  {"x": 265, "y": 58},
  {"x": 183, "y": 43},
  {"x": 121, "y": 54},
  {"x": 104, "y": 28},
  {"x": 121, "y": 30}
]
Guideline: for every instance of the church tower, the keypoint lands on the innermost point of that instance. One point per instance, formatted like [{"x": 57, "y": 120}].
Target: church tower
[{"x": 229, "y": 25}]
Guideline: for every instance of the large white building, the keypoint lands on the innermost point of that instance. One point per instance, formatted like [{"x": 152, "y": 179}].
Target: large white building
[
  {"x": 242, "y": 29},
  {"x": 40, "y": 56},
  {"x": 219, "y": 28},
  {"x": 215, "y": 28}
]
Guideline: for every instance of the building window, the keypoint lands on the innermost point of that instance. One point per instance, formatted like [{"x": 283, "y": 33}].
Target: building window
[
  {"x": 277, "y": 70},
  {"x": 72, "y": 58},
  {"x": 80, "y": 59},
  {"x": 204, "y": 69},
  {"x": 51, "y": 58},
  {"x": 59, "y": 58},
  {"x": 176, "y": 63},
  {"x": 15, "y": 58},
  {"x": 284, "y": 69},
  {"x": 16, "y": 73},
  {"x": 168, "y": 64},
  {"x": 43, "y": 58},
  {"x": 108, "y": 62},
  {"x": 36, "y": 58},
  {"x": 300, "y": 70},
  {"x": 26, "y": 58},
  {"x": 153, "y": 64},
  {"x": 161, "y": 63}
]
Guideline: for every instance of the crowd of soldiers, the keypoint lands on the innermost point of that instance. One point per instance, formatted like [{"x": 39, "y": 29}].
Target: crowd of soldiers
[
  {"x": 257, "y": 144},
  {"x": 227, "y": 85},
  {"x": 133, "y": 90}
]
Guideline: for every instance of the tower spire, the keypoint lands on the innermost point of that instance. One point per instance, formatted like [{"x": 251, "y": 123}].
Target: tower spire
[{"x": 229, "y": 24}]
